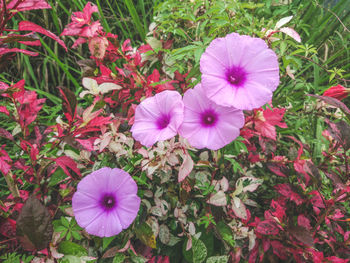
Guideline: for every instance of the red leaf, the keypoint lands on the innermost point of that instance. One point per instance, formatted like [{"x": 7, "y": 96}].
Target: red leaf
[
  {"x": 334, "y": 102},
  {"x": 99, "y": 121},
  {"x": 279, "y": 210},
  {"x": 254, "y": 253},
  {"x": 36, "y": 43},
  {"x": 301, "y": 149},
  {"x": 277, "y": 169},
  {"x": 279, "y": 249},
  {"x": 286, "y": 191},
  {"x": 81, "y": 24},
  {"x": 87, "y": 144},
  {"x": 159, "y": 259},
  {"x": 304, "y": 222},
  {"x": 316, "y": 200},
  {"x": 69, "y": 103},
  {"x": 335, "y": 259},
  {"x": 29, "y": 108},
  {"x": 29, "y": 26},
  {"x": 5, "y": 161},
  {"x": 4, "y": 110},
  {"x": 340, "y": 131},
  {"x": 14, "y": 50},
  {"x": 4, "y": 133},
  {"x": 29, "y": 5},
  {"x": 302, "y": 234},
  {"x": 66, "y": 162},
  {"x": 267, "y": 227},
  {"x": 266, "y": 120},
  {"x": 299, "y": 167}
]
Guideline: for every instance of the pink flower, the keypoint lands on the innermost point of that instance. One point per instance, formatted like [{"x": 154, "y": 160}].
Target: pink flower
[
  {"x": 239, "y": 71},
  {"x": 206, "y": 124},
  {"x": 338, "y": 92},
  {"x": 158, "y": 118},
  {"x": 106, "y": 202}
]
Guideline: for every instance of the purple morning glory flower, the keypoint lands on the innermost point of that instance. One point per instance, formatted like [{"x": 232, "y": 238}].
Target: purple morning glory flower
[
  {"x": 106, "y": 202},
  {"x": 206, "y": 124},
  {"x": 239, "y": 71},
  {"x": 158, "y": 118}
]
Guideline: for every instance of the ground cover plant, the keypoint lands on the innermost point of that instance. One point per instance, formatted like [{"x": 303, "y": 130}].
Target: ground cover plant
[{"x": 174, "y": 131}]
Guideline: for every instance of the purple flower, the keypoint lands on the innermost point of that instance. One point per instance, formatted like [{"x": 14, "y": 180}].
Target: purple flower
[
  {"x": 207, "y": 124},
  {"x": 158, "y": 118},
  {"x": 239, "y": 71},
  {"x": 106, "y": 202}
]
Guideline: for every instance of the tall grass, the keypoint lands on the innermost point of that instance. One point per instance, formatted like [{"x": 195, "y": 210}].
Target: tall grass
[{"x": 55, "y": 67}]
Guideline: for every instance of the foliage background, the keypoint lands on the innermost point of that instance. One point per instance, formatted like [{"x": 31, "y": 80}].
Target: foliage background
[{"x": 321, "y": 60}]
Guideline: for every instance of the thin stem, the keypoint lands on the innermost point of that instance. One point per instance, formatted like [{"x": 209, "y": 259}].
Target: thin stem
[{"x": 329, "y": 10}]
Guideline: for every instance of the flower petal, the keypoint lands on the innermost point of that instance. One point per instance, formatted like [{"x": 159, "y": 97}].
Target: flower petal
[
  {"x": 252, "y": 61},
  {"x": 167, "y": 104},
  {"x": 127, "y": 210},
  {"x": 95, "y": 183},
  {"x": 213, "y": 135}
]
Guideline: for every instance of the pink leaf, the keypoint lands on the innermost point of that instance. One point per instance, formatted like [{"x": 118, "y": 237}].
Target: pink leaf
[
  {"x": 14, "y": 50},
  {"x": 299, "y": 167},
  {"x": 5, "y": 161},
  {"x": 239, "y": 208},
  {"x": 267, "y": 227},
  {"x": 186, "y": 167},
  {"x": 4, "y": 133},
  {"x": 3, "y": 109},
  {"x": 335, "y": 259},
  {"x": 279, "y": 249},
  {"x": 87, "y": 144},
  {"x": 3, "y": 86},
  {"x": 316, "y": 200},
  {"x": 29, "y": 5},
  {"x": 66, "y": 162},
  {"x": 218, "y": 199},
  {"x": 286, "y": 191},
  {"x": 292, "y": 33},
  {"x": 36, "y": 43},
  {"x": 29, "y": 26},
  {"x": 304, "y": 222},
  {"x": 98, "y": 46},
  {"x": 254, "y": 253},
  {"x": 277, "y": 169}
]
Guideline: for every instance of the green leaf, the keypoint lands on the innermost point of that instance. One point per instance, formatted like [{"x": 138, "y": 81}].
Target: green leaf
[
  {"x": 69, "y": 235},
  {"x": 106, "y": 241},
  {"x": 34, "y": 225},
  {"x": 119, "y": 258},
  {"x": 65, "y": 222},
  {"x": 218, "y": 259},
  {"x": 197, "y": 253},
  {"x": 64, "y": 232},
  {"x": 76, "y": 235},
  {"x": 70, "y": 248},
  {"x": 226, "y": 233},
  {"x": 145, "y": 234},
  {"x": 60, "y": 229}
]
